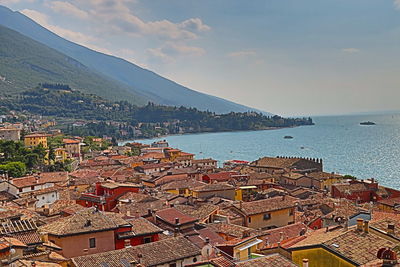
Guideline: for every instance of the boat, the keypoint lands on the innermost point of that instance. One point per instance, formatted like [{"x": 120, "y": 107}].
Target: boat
[
  {"x": 367, "y": 123},
  {"x": 288, "y": 137}
]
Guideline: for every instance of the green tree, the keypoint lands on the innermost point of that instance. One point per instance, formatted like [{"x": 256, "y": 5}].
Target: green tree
[{"x": 14, "y": 169}]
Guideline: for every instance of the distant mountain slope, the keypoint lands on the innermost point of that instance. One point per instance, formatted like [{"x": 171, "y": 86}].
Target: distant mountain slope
[
  {"x": 24, "y": 63},
  {"x": 155, "y": 87}
]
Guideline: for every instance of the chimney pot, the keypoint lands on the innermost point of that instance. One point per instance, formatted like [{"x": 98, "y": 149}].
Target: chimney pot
[
  {"x": 390, "y": 229},
  {"x": 305, "y": 262},
  {"x": 360, "y": 223},
  {"x": 366, "y": 226}
]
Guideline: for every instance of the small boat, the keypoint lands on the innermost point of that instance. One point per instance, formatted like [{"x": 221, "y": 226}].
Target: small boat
[
  {"x": 367, "y": 123},
  {"x": 288, "y": 137}
]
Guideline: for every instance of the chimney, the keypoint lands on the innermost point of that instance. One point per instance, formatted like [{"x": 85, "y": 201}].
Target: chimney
[
  {"x": 128, "y": 213},
  {"x": 281, "y": 236},
  {"x": 207, "y": 240},
  {"x": 305, "y": 262},
  {"x": 176, "y": 221},
  {"x": 366, "y": 226},
  {"x": 127, "y": 243},
  {"x": 360, "y": 223},
  {"x": 176, "y": 231},
  {"x": 390, "y": 229}
]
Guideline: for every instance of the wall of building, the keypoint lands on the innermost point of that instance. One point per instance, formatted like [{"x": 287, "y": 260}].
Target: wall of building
[
  {"x": 48, "y": 198},
  {"x": 318, "y": 257},
  {"x": 278, "y": 218},
  {"x": 228, "y": 194},
  {"x": 73, "y": 246}
]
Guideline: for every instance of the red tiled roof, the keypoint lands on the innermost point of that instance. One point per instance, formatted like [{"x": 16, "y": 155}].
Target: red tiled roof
[{"x": 169, "y": 215}]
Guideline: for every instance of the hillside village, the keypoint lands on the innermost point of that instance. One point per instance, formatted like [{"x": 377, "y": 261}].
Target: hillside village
[{"x": 154, "y": 205}]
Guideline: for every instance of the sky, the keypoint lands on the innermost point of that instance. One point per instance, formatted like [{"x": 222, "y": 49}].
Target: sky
[{"x": 288, "y": 57}]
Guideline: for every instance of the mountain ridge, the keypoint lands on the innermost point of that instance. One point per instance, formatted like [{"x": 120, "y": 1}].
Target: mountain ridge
[
  {"x": 25, "y": 63},
  {"x": 147, "y": 83}
]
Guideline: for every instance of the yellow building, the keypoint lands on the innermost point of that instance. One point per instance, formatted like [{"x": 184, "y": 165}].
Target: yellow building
[
  {"x": 172, "y": 153},
  {"x": 33, "y": 140},
  {"x": 240, "y": 249},
  {"x": 356, "y": 246},
  {"x": 389, "y": 205},
  {"x": 244, "y": 192},
  {"x": 325, "y": 179},
  {"x": 267, "y": 213},
  {"x": 183, "y": 187},
  {"x": 60, "y": 156}
]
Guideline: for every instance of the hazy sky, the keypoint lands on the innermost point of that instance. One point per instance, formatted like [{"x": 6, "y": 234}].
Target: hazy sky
[{"x": 290, "y": 57}]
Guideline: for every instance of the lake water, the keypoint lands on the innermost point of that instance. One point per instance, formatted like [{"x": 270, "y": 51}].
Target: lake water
[{"x": 344, "y": 145}]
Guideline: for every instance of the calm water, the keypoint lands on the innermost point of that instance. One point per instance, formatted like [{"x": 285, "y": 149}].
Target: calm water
[{"x": 345, "y": 146}]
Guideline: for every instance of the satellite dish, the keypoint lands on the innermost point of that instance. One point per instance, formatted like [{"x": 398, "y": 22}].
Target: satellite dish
[{"x": 206, "y": 251}]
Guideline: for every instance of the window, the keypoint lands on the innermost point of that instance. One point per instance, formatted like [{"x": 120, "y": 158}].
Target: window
[
  {"x": 249, "y": 219},
  {"x": 267, "y": 216},
  {"x": 32, "y": 187},
  {"x": 92, "y": 242},
  {"x": 172, "y": 265},
  {"x": 20, "y": 190},
  {"x": 194, "y": 259},
  {"x": 147, "y": 240},
  {"x": 291, "y": 211}
]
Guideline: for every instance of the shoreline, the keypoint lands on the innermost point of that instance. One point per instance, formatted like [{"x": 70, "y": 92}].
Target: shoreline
[{"x": 123, "y": 142}]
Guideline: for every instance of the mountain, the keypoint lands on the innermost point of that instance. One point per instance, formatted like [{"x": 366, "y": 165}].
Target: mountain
[
  {"x": 147, "y": 83},
  {"x": 25, "y": 63}
]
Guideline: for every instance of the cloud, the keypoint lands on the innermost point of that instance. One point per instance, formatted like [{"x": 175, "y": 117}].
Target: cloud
[
  {"x": 36, "y": 16},
  {"x": 10, "y": 2},
  {"x": 396, "y": 4},
  {"x": 242, "y": 54},
  {"x": 170, "y": 51},
  {"x": 350, "y": 50},
  {"x": 117, "y": 16},
  {"x": 67, "y": 8},
  {"x": 74, "y": 36}
]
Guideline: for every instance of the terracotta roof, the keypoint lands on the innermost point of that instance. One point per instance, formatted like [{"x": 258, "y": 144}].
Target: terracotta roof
[
  {"x": 197, "y": 161},
  {"x": 84, "y": 221},
  {"x": 232, "y": 230},
  {"x": 317, "y": 237},
  {"x": 13, "y": 241},
  {"x": 273, "y": 260},
  {"x": 155, "y": 253},
  {"x": 324, "y": 175},
  {"x": 26, "y": 181},
  {"x": 200, "y": 212},
  {"x": 141, "y": 226},
  {"x": 276, "y": 162},
  {"x": 142, "y": 207},
  {"x": 283, "y": 233},
  {"x": 393, "y": 202},
  {"x": 169, "y": 215},
  {"x": 201, "y": 236},
  {"x": 29, "y": 238},
  {"x": 383, "y": 226},
  {"x": 266, "y": 205},
  {"x": 190, "y": 183},
  {"x": 36, "y": 135},
  {"x": 71, "y": 141},
  {"x": 358, "y": 247},
  {"x": 213, "y": 187},
  {"x": 351, "y": 188},
  {"x": 220, "y": 176}
]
